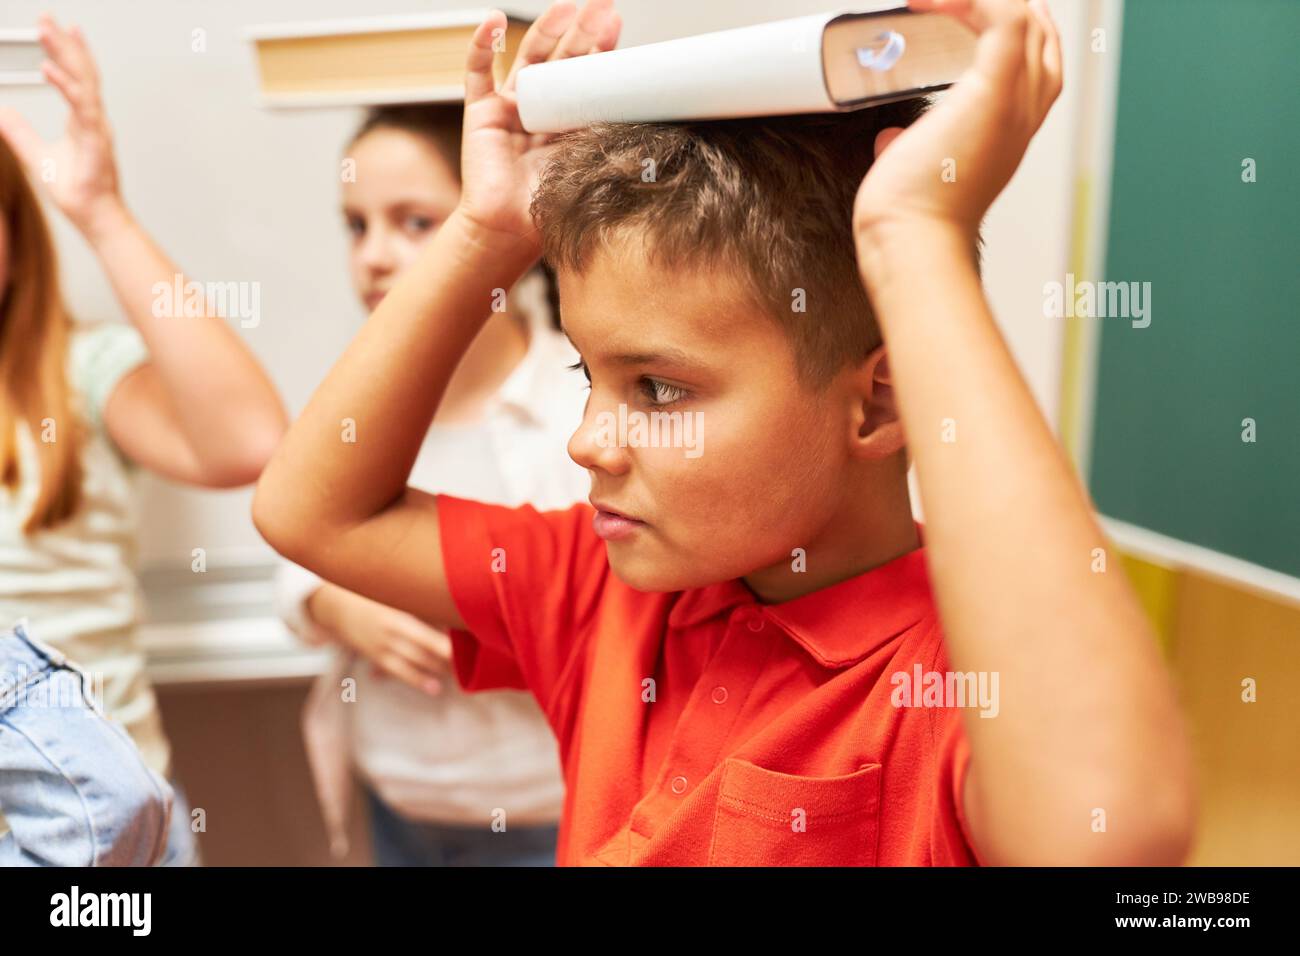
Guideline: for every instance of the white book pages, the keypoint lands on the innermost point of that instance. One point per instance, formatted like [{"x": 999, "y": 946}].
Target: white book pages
[{"x": 762, "y": 70}]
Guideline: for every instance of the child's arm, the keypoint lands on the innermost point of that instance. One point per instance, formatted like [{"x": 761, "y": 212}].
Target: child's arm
[
  {"x": 395, "y": 643},
  {"x": 202, "y": 410},
  {"x": 341, "y": 507},
  {"x": 1088, "y": 717}
]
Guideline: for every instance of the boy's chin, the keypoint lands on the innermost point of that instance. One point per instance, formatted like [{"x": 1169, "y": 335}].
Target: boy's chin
[{"x": 644, "y": 573}]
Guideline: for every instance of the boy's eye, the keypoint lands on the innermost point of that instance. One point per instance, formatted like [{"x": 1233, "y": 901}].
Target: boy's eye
[
  {"x": 655, "y": 391},
  {"x": 356, "y": 226},
  {"x": 661, "y": 393}
]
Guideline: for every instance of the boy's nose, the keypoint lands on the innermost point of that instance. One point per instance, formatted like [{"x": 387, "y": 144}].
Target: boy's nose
[{"x": 595, "y": 446}]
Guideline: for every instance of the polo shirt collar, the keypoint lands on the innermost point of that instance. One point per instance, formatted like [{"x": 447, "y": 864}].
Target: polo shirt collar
[
  {"x": 697, "y": 605},
  {"x": 837, "y": 625}
]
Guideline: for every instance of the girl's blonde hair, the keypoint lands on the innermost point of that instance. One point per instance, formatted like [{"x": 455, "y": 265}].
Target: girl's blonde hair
[{"x": 35, "y": 329}]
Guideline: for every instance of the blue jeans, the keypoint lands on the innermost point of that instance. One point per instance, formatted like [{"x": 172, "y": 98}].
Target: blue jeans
[
  {"x": 182, "y": 847},
  {"x": 397, "y": 841},
  {"x": 73, "y": 788}
]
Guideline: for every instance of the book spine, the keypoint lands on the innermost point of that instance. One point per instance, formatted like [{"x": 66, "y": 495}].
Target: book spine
[{"x": 762, "y": 70}]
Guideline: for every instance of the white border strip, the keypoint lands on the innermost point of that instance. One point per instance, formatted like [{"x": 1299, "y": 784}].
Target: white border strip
[{"x": 1165, "y": 550}]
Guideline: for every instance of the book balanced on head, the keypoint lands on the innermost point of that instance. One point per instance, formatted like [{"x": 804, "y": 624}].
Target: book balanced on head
[{"x": 824, "y": 62}]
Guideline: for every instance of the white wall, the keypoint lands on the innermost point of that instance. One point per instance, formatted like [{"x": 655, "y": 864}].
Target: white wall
[{"x": 237, "y": 194}]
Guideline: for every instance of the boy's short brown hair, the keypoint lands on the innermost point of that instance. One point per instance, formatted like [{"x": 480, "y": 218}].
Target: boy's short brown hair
[{"x": 771, "y": 198}]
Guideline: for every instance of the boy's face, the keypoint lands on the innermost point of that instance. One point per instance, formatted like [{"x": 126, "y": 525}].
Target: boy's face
[{"x": 760, "y": 463}]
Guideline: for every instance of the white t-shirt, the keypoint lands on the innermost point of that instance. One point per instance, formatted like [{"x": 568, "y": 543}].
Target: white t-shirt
[{"x": 457, "y": 757}]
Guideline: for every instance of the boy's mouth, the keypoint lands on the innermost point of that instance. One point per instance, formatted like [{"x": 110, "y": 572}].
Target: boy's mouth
[{"x": 612, "y": 525}]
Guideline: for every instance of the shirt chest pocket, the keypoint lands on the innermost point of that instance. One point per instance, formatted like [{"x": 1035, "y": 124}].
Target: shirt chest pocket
[{"x": 767, "y": 818}]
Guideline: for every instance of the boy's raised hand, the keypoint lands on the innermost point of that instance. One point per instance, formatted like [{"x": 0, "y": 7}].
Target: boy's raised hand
[
  {"x": 983, "y": 125},
  {"x": 500, "y": 162}
]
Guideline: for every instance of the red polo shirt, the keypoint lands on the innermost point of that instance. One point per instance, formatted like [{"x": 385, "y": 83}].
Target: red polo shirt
[{"x": 702, "y": 727}]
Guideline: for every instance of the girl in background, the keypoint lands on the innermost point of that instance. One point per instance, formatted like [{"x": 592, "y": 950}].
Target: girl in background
[
  {"x": 82, "y": 409},
  {"x": 450, "y": 778}
]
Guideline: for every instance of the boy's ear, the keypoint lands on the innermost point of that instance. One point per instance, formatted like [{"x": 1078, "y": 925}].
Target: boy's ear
[
  {"x": 885, "y": 137},
  {"x": 878, "y": 432}
]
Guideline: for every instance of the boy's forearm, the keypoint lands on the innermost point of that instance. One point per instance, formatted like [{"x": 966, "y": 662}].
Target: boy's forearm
[
  {"x": 349, "y": 455},
  {"x": 1087, "y": 718}
]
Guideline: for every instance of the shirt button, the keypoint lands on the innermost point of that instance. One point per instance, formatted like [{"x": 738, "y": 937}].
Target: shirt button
[
  {"x": 755, "y": 624},
  {"x": 719, "y": 695},
  {"x": 679, "y": 784}
]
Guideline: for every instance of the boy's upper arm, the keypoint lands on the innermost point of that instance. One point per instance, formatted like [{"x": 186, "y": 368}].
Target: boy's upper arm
[{"x": 394, "y": 557}]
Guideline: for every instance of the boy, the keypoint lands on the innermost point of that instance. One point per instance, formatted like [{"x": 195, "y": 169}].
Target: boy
[{"x": 724, "y": 648}]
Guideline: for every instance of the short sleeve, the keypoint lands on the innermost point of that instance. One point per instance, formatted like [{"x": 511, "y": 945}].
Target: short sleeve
[
  {"x": 528, "y": 585},
  {"x": 951, "y": 838},
  {"x": 99, "y": 356}
]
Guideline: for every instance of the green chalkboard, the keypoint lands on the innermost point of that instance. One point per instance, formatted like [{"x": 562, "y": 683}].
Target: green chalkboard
[{"x": 1205, "y": 85}]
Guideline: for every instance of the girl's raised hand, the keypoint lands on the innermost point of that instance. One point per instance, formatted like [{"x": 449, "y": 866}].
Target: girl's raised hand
[
  {"x": 78, "y": 172},
  {"x": 500, "y": 162}
]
